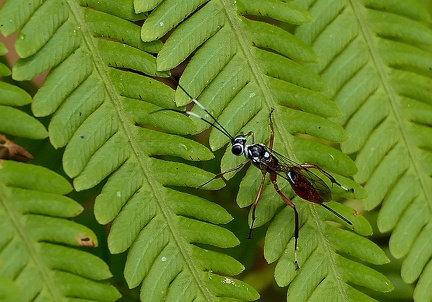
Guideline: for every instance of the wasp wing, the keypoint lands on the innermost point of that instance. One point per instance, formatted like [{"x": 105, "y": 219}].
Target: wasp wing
[{"x": 286, "y": 165}]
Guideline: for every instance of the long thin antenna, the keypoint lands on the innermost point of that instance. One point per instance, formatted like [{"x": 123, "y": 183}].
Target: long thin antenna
[
  {"x": 337, "y": 214},
  {"x": 220, "y": 127},
  {"x": 211, "y": 124}
]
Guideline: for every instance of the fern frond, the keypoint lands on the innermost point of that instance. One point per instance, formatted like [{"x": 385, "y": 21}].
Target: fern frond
[
  {"x": 375, "y": 56},
  {"x": 12, "y": 120},
  {"x": 36, "y": 240},
  {"x": 241, "y": 66},
  {"x": 105, "y": 113}
]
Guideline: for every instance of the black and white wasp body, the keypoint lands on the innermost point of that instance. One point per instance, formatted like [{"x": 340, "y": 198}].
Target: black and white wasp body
[{"x": 303, "y": 181}]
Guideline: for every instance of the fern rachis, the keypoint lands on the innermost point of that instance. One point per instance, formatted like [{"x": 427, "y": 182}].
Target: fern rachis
[{"x": 303, "y": 181}]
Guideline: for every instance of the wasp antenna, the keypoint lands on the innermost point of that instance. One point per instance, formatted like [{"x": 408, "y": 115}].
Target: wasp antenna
[
  {"x": 199, "y": 105},
  {"x": 185, "y": 91},
  {"x": 167, "y": 109},
  {"x": 219, "y": 126},
  {"x": 221, "y": 129},
  {"x": 337, "y": 214},
  {"x": 190, "y": 113},
  {"x": 216, "y": 124}
]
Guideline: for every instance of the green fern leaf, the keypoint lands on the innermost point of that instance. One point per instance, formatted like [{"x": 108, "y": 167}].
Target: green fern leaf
[
  {"x": 28, "y": 252},
  {"x": 375, "y": 58},
  {"x": 12, "y": 120},
  {"x": 104, "y": 105},
  {"x": 8, "y": 290},
  {"x": 4, "y": 70},
  {"x": 36, "y": 239},
  {"x": 240, "y": 68}
]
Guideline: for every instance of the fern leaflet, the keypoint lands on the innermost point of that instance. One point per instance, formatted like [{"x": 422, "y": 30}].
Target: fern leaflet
[
  {"x": 36, "y": 239},
  {"x": 378, "y": 70},
  {"x": 100, "y": 93},
  {"x": 242, "y": 66}
]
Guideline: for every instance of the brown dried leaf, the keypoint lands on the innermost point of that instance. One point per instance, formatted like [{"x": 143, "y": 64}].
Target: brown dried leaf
[{"x": 10, "y": 150}]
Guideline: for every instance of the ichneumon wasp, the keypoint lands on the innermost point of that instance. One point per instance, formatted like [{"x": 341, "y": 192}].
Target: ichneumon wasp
[{"x": 303, "y": 181}]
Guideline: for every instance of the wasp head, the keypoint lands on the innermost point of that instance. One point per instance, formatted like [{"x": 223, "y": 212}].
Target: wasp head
[{"x": 238, "y": 145}]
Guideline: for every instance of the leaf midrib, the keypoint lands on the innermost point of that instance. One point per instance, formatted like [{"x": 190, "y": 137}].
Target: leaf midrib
[
  {"x": 329, "y": 252},
  {"x": 126, "y": 128},
  {"x": 381, "y": 68},
  {"x": 29, "y": 244},
  {"x": 256, "y": 73},
  {"x": 278, "y": 129}
]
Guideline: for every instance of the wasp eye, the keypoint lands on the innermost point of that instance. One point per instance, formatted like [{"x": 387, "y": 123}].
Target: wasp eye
[{"x": 237, "y": 149}]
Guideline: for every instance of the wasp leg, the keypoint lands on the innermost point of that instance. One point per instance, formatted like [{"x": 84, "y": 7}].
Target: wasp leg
[
  {"x": 296, "y": 216},
  {"x": 331, "y": 178},
  {"x": 271, "y": 131},
  {"x": 254, "y": 205},
  {"x": 333, "y": 181},
  {"x": 219, "y": 175},
  {"x": 251, "y": 133},
  {"x": 337, "y": 214}
]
